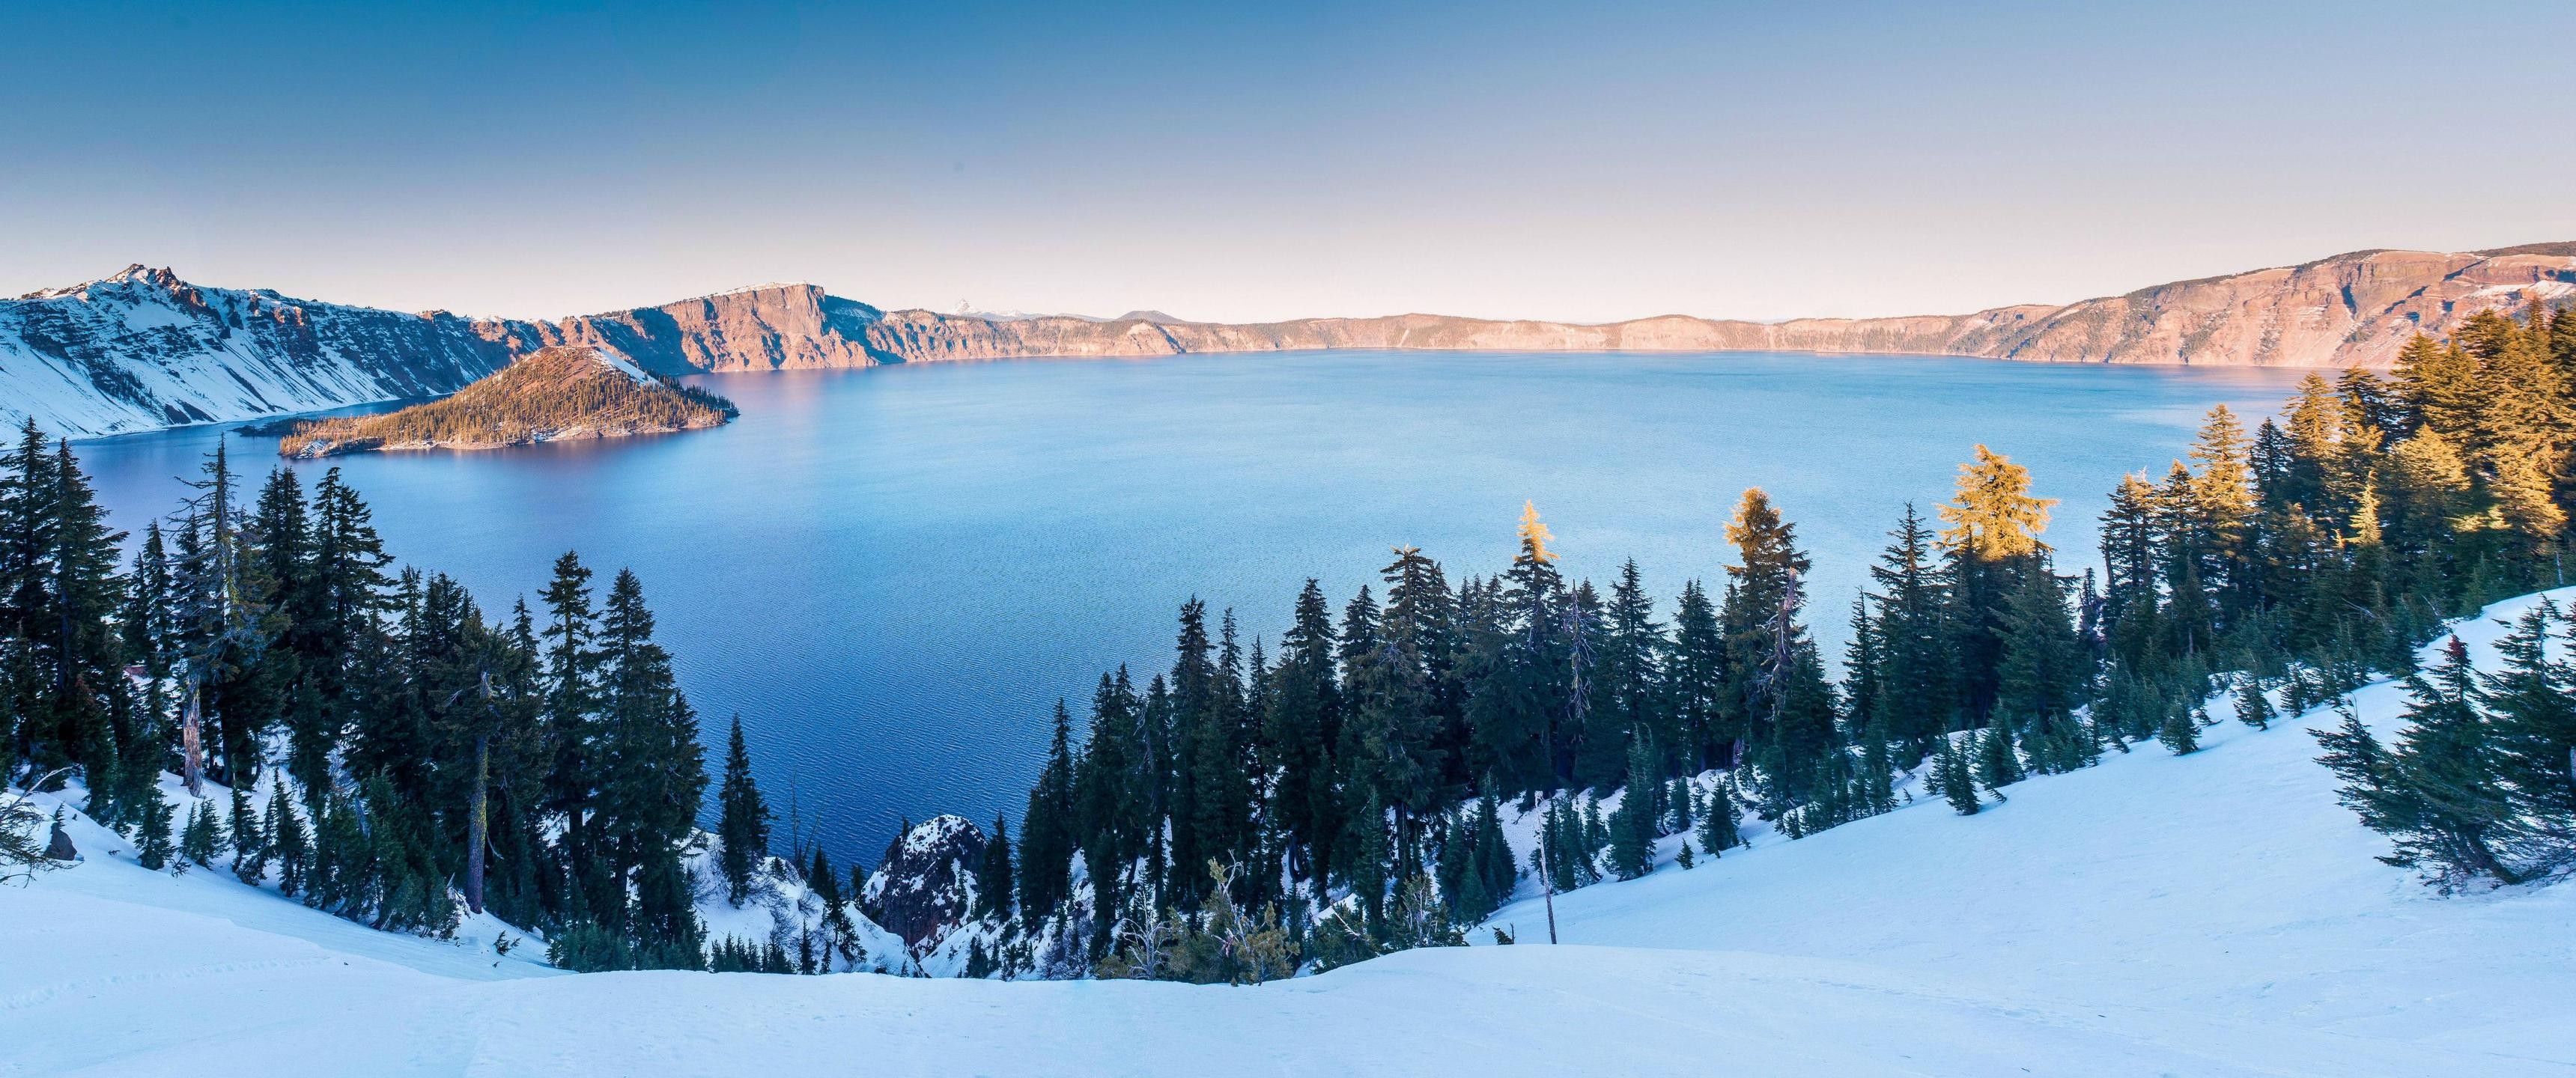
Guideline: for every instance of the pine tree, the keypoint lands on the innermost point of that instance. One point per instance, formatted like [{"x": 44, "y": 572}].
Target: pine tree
[
  {"x": 2043, "y": 675},
  {"x": 652, "y": 772},
  {"x": 2178, "y": 731},
  {"x": 1958, "y": 780},
  {"x": 1784, "y": 706},
  {"x": 2253, "y": 708},
  {"x": 1998, "y": 762},
  {"x": 203, "y": 835},
  {"x": 286, "y": 837},
  {"x": 2533, "y": 704},
  {"x": 1717, "y": 832},
  {"x": 993, "y": 873},
  {"x": 1632, "y": 826},
  {"x": 2447, "y": 809},
  {"x": 152, "y": 817},
  {"x": 1046, "y": 838},
  {"x": 743, "y": 823}
]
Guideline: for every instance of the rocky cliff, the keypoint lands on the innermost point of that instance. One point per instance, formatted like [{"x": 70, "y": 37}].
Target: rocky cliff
[
  {"x": 143, "y": 349},
  {"x": 926, "y": 884},
  {"x": 2350, "y": 310}
]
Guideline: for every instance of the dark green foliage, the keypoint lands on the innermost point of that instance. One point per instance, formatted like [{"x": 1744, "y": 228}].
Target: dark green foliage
[
  {"x": 1635, "y": 825},
  {"x": 424, "y": 740},
  {"x": 2253, "y": 707},
  {"x": 1717, "y": 822},
  {"x": 1476, "y": 868},
  {"x": 743, "y": 822},
  {"x": 152, "y": 819},
  {"x": 203, "y": 835},
  {"x": 1956, "y": 780},
  {"x": 1048, "y": 828},
  {"x": 2437, "y": 794},
  {"x": 993, "y": 874},
  {"x": 288, "y": 845},
  {"x": 734, "y": 954}
]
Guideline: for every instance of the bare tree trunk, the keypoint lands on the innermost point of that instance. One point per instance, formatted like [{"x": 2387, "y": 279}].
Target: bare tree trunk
[
  {"x": 475, "y": 839},
  {"x": 1547, "y": 876},
  {"x": 192, "y": 743}
]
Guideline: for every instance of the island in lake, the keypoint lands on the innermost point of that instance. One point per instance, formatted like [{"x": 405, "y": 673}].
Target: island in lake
[{"x": 553, "y": 394}]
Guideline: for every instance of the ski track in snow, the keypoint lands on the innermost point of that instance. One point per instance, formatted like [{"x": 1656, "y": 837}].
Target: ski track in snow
[{"x": 2217, "y": 914}]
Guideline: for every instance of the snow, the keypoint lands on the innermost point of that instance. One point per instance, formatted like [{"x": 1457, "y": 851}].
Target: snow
[
  {"x": 623, "y": 367},
  {"x": 2216, "y": 914},
  {"x": 2543, "y": 289}
]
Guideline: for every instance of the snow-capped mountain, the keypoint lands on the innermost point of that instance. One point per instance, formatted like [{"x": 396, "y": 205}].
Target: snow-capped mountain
[{"x": 142, "y": 349}]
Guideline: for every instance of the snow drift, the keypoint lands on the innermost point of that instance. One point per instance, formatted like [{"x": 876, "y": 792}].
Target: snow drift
[{"x": 2216, "y": 914}]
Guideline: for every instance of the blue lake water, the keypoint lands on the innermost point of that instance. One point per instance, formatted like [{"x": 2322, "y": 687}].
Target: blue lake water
[{"x": 892, "y": 574}]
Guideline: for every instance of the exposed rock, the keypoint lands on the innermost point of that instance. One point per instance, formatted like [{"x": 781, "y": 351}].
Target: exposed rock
[
  {"x": 926, "y": 884},
  {"x": 59, "y": 847},
  {"x": 762, "y": 328},
  {"x": 143, "y": 349}
]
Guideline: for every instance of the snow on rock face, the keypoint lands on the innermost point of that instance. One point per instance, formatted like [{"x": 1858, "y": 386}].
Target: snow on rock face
[
  {"x": 142, "y": 349},
  {"x": 926, "y": 886}
]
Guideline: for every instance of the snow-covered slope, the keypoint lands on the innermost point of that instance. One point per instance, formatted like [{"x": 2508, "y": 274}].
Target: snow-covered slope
[
  {"x": 2216, "y": 914},
  {"x": 142, "y": 349}
]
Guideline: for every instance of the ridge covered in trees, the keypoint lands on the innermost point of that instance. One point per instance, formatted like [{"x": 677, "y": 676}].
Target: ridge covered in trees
[{"x": 554, "y": 393}]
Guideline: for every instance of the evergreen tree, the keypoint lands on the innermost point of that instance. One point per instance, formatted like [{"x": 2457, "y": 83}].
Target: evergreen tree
[
  {"x": 2253, "y": 707},
  {"x": 152, "y": 818},
  {"x": 1717, "y": 821},
  {"x": 2532, "y": 700},
  {"x": 1046, "y": 839},
  {"x": 743, "y": 823},
  {"x": 993, "y": 886},
  {"x": 203, "y": 835},
  {"x": 286, "y": 839},
  {"x": 1958, "y": 781},
  {"x": 1632, "y": 826}
]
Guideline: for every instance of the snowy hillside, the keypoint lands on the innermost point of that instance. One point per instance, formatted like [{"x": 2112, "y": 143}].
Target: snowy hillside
[
  {"x": 2216, "y": 914},
  {"x": 142, "y": 349}
]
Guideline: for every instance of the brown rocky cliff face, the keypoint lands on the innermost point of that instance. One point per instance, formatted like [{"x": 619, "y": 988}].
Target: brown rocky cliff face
[
  {"x": 2350, "y": 310},
  {"x": 143, "y": 349},
  {"x": 926, "y": 885},
  {"x": 768, "y": 327}
]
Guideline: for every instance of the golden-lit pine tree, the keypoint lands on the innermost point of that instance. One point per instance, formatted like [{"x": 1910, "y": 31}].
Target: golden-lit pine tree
[
  {"x": 1994, "y": 518},
  {"x": 1534, "y": 534}
]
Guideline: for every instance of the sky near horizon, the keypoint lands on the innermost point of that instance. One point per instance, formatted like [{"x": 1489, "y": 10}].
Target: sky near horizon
[{"x": 1242, "y": 162}]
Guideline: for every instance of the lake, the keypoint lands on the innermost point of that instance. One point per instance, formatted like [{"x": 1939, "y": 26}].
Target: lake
[{"x": 892, "y": 574}]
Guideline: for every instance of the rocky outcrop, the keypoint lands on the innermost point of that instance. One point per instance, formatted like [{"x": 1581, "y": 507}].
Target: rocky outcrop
[
  {"x": 763, "y": 328},
  {"x": 143, "y": 349},
  {"x": 926, "y": 885}
]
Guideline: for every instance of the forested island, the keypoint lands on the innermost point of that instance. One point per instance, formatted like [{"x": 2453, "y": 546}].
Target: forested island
[{"x": 555, "y": 394}]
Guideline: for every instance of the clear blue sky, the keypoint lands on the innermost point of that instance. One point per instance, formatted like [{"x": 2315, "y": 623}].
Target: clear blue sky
[{"x": 1240, "y": 161}]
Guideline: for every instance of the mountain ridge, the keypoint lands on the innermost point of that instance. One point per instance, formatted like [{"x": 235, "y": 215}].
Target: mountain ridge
[{"x": 143, "y": 349}]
